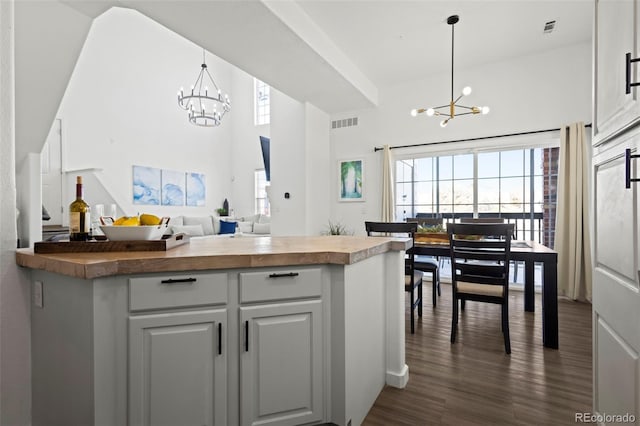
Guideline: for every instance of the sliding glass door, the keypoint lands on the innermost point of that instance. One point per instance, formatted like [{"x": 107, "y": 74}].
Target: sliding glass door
[{"x": 518, "y": 185}]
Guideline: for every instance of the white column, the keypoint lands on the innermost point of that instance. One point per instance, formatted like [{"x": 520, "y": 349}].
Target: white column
[
  {"x": 15, "y": 388},
  {"x": 397, "y": 369}
]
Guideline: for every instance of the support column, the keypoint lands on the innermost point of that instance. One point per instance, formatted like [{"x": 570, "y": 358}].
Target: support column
[{"x": 15, "y": 359}]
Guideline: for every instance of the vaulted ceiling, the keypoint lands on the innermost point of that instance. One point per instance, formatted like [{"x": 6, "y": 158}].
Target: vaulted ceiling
[
  {"x": 338, "y": 53},
  {"x": 335, "y": 54}
]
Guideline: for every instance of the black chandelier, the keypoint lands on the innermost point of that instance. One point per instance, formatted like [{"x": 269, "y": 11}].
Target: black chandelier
[
  {"x": 205, "y": 106},
  {"x": 449, "y": 110}
]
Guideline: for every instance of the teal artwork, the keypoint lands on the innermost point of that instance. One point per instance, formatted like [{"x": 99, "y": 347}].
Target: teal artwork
[{"x": 351, "y": 180}]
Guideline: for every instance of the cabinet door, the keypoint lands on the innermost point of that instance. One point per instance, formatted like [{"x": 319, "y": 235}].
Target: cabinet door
[
  {"x": 281, "y": 360},
  {"x": 177, "y": 369},
  {"x": 616, "y": 297},
  {"x": 615, "y": 35}
]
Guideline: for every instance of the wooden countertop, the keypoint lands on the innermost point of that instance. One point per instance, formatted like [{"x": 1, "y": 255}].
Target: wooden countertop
[{"x": 216, "y": 253}]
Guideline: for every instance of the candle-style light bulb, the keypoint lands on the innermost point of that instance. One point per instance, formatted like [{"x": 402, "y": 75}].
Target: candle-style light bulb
[
  {"x": 485, "y": 110},
  {"x": 466, "y": 91}
]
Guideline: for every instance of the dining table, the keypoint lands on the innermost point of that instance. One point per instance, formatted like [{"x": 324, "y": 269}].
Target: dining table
[{"x": 529, "y": 252}]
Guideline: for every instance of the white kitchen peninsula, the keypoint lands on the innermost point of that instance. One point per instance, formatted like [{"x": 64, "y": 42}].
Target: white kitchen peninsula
[{"x": 268, "y": 330}]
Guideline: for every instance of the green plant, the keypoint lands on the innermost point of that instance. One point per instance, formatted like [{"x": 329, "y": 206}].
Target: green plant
[
  {"x": 337, "y": 229},
  {"x": 221, "y": 211}
]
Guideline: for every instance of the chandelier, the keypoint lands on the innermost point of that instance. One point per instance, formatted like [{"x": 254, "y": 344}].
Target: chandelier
[
  {"x": 449, "y": 110},
  {"x": 205, "y": 104}
]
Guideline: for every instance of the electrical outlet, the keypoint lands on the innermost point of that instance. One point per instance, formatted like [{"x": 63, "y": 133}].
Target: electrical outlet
[{"x": 37, "y": 295}]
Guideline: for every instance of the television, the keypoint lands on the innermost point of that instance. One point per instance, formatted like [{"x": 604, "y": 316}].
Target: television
[{"x": 265, "y": 143}]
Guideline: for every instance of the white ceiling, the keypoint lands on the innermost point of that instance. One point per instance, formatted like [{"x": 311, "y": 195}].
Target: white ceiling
[
  {"x": 399, "y": 40},
  {"x": 337, "y": 54}
]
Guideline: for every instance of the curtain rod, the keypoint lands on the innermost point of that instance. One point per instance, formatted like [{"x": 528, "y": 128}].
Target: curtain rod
[{"x": 376, "y": 149}]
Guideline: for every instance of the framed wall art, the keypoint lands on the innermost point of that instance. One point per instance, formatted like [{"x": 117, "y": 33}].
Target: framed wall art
[
  {"x": 173, "y": 188},
  {"x": 146, "y": 185},
  {"x": 351, "y": 180}
]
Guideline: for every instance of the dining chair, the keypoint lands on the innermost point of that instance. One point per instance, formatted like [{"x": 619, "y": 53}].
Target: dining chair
[
  {"x": 412, "y": 277},
  {"x": 495, "y": 220},
  {"x": 429, "y": 264},
  {"x": 480, "y": 254}
]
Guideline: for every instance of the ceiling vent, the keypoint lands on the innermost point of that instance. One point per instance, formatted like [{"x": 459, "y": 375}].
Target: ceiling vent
[
  {"x": 549, "y": 26},
  {"x": 345, "y": 122}
]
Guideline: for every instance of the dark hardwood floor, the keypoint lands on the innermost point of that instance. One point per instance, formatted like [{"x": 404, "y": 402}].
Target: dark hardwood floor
[{"x": 473, "y": 382}]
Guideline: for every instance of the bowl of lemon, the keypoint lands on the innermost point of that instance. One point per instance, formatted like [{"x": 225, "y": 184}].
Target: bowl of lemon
[{"x": 134, "y": 228}]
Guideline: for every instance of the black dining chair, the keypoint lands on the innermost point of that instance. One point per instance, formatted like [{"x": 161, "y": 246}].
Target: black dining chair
[
  {"x": 412, "y": 277},
  {"x": 427, "y": 263},
  {"x": 480, "y": 254},
  {"x": 514, "y": 263}
]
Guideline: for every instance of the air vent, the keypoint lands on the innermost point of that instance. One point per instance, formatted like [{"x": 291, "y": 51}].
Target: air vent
[
  {"x": 345, "y": 122},
  {"x": 549, "y": 26}
]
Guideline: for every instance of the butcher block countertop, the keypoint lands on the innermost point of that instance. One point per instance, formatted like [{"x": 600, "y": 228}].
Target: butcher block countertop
[{"x": 216, "y": 253}]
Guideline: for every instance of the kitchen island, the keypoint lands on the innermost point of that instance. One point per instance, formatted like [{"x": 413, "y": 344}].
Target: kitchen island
[{"x": 265, "y": 330}]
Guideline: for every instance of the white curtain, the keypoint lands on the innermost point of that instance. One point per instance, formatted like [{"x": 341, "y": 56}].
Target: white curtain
[
  {"x": 388, "y": 204},
  {"x": 572, "y": 239}
]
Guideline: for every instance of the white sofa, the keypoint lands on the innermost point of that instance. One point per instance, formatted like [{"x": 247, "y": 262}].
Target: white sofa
[{"x": 206, "y": 226}]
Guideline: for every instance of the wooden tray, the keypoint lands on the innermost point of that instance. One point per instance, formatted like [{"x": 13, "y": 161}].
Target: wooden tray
[{"x": 51, "y": 247}]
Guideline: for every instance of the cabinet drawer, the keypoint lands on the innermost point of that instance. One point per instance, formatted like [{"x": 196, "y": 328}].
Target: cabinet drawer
[
  {"x": 173, "y": 291},
  {"x": 281, "y": 284}
]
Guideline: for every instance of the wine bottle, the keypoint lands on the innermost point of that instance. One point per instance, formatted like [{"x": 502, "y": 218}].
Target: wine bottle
[{"x": 79, "y": 216}]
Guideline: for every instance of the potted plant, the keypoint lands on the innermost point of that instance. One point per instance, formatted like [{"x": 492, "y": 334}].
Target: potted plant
[{"x": 336, "y": 228}]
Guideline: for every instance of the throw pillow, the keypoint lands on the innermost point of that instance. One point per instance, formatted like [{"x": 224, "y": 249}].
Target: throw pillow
[
  {"x": 216, "y": 222},
  {"x": 227, "y": 227},
  {"x": 245, "y": 227},
  {"x": 261, "y": 228},
  {"x": 191, "y": 230},
  {"x": 176, "y": 220},
  {"x": 204, "y": 221}
]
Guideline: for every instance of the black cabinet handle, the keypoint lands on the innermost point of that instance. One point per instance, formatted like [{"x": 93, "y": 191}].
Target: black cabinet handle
[
  {"x": 179, "y": 280},
  {"x": 288, "y": 274},
  {"x": 627, "y": 168},
  {"x": 219, "y": 338},
  {"x": 246, "y": 336},
  {"x": 628, "y": 62}
]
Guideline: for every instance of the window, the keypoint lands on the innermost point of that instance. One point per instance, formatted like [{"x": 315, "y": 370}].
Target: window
[
  {"x": 260, "y": 191},
  {"x": 518, "y": 185},
  {"x": 262, "y": 104}
]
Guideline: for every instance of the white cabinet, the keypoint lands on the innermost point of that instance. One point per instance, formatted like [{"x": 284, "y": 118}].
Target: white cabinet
[
  {"x": 616, "y": 34},
  {"x": 173, "y": 349},
  {"x": 281, "y": 363},
  {"x": 178, "y": 358},
  {"x": 178, "y": 369},
  {"x": 616, "y": 280}
]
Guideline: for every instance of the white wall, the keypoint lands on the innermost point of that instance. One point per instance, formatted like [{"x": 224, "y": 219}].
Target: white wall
[
  {"x": 48, "y": 39},
  {"x": 245, "y": 145},
  {"x": 121, "y": 110},
  {"x": 316, "y": 173},
  {"x": 530, "y": 93},
  {"x": 288, "y": 161}
]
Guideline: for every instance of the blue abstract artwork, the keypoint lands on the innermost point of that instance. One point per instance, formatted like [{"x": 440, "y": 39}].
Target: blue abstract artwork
[
  {"x": 196, "y": 189},
  {"x": 146, "y": 185},
  {"x": 173, "y": 184}
]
